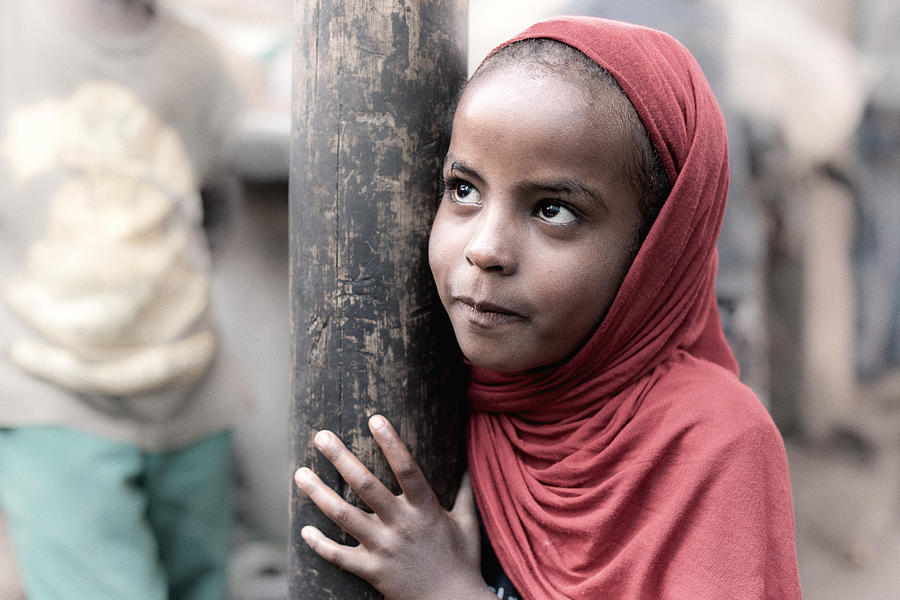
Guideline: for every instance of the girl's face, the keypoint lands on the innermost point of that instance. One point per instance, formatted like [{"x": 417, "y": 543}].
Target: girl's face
[{"x": 538, "y": 222}]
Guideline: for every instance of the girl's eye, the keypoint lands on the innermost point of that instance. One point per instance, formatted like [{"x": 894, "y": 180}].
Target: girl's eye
[
  {"x": 462, "y": 192},
  {"x": 556, "y": 213}
]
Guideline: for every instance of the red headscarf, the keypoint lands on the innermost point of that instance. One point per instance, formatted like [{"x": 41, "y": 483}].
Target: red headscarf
[{"x": 641, "y": 467}]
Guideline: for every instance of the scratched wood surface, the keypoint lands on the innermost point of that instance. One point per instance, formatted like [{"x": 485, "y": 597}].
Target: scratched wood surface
[{"x": 373, "y": 85}]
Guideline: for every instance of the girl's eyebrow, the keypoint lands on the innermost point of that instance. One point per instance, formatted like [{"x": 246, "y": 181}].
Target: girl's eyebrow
[
  {"x": 566, "y": 186},
  {"x": 461, "y": 168},
  {"x": 562, "y": 186}
]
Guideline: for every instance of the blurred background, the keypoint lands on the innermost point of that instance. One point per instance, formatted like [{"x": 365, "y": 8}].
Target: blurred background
[{"x": 809, "y": 285}]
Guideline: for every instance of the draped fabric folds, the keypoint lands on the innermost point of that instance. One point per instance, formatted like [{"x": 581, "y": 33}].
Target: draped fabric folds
[{"x": 641, "y": 467}]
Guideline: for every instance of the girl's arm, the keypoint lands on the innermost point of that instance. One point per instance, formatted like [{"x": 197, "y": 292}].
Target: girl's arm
[{"x": 410, "y": 548}]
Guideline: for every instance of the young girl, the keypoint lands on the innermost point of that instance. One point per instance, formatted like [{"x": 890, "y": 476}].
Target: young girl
[{"x": 613, "y": 452}]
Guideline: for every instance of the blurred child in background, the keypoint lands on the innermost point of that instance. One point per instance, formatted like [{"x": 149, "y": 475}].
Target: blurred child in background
[{"x": 115, "y": 405}]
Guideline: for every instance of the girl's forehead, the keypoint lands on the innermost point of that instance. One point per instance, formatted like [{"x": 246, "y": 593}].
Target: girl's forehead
[
  {"x": 546, "y": 98},
  {"x": 518, "y": 71},
  {"x": 517, "y": 87},
  {"x": 517, "y": 105}
]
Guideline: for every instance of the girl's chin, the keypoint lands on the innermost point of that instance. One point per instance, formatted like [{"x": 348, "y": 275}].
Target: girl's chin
[{"x": 497, "y": 361}]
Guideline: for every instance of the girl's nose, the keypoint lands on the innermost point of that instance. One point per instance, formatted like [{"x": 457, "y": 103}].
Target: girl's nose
[{"x": 491, "y": 247}]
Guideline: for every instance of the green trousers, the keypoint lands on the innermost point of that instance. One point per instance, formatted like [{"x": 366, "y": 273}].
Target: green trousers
[{"x": 95, "y": 519}]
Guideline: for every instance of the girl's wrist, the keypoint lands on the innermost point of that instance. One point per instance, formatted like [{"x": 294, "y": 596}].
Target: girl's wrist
[{"x": 471, "y": 589}]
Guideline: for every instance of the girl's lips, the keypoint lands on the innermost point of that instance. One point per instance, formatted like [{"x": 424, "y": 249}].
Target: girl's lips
[{"x": 487, "y": 314}]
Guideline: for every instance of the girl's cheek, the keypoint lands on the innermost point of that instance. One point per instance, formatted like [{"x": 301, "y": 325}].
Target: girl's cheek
[
  {"x": 438, "y": 240},
  {"x": 436, "y": 253}
]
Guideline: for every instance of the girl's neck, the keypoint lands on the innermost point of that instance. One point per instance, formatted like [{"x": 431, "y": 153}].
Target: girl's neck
[{"x": 110, "y": 16}]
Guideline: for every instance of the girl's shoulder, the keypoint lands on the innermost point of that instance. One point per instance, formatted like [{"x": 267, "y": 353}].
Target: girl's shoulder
[{"x": 703, "y": 404}]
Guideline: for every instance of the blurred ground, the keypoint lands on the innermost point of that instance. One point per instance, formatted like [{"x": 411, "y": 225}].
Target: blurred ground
[{"x": 847, "y": 502}]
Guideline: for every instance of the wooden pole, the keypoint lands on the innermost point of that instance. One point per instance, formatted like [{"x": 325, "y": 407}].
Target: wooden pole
[{"x": 373, "y": 84}]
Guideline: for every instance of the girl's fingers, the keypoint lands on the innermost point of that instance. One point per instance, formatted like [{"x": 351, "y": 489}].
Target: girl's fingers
[
  {"x": 346, "y": 516},
  {"x": 370, "y": 490},
  {"x": 404, "y": 466},
  {"x": 349, "y": 558}
]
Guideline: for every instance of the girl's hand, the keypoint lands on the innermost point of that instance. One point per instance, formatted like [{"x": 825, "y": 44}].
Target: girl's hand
[{"x": 410, "y": 548}]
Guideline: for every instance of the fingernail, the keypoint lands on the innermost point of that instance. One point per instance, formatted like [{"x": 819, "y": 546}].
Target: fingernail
[
  {"x": 302, "y": 476},
  {"x": 377, "y": 422},
  {"x": 323, "y": 440}
]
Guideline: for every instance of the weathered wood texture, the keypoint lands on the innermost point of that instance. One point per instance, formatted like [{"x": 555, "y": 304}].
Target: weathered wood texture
[{"x": 373, "y": 84}]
